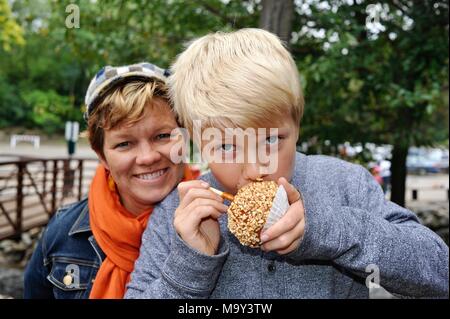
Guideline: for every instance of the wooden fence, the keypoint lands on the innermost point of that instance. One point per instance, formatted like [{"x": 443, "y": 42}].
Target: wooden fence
[{"x": 32, "y": 189}]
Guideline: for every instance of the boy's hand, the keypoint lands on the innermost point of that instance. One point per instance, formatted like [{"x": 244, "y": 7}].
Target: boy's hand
[
  {"x": 196, "y": 216},
  {"x": 284, "y": 236}
]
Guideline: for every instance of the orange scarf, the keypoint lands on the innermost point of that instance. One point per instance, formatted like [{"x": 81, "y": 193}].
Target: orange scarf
[{"x": 118, "y": 232}]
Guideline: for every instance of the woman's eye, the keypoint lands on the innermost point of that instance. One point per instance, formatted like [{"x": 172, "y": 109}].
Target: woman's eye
[
  {"x": 163, "y": 136},
  {"x": 122, "y": 145},
  {"x": 272, "y": 139}
]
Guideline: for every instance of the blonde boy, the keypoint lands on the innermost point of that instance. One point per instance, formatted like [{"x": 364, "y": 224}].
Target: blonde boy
[{"x": 338, "y": 229}]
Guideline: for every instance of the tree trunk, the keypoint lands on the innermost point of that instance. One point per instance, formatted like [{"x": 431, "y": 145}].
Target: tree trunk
[
  {"x": 398, "y": 174},
  {"x": 277, "y": 17}
]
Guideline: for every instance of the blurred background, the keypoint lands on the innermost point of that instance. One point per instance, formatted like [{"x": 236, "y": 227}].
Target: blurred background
[{"x": 374, "y": 74}]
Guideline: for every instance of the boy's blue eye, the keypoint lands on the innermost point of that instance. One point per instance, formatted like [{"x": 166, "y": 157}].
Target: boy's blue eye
[
  {"x": 227, "y": 147},
  {"x": 272, "y": 139}
]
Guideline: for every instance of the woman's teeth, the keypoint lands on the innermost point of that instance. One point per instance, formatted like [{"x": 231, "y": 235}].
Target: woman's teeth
[{"x": 153, "y": 175}]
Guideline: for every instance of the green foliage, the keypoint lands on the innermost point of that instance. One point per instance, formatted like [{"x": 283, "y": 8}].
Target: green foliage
[
  {"x": 10, "y": 31},
  {"x": 12, "y": 110},
  {"x": 56, "y": 64},
  {"x": 388, "y": 86},
  {"x": 383, "y": 86},
  {"x": 49, "y": 110}
]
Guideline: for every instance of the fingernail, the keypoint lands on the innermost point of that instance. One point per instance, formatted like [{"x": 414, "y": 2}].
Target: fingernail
[
  {"x": 264, "y": 238},
  {"x": 204, "y": 184}
]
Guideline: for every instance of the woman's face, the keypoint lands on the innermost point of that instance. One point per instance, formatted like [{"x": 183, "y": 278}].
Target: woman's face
[{"x": 138, "y": 158}]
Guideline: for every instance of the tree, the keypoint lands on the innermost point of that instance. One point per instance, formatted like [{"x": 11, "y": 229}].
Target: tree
[
  {"x": 10, "y": 31},
  {"x": 379, "y": 81},
  {"x": 40, "y": 66},
  {"x": 276, "y": 17}
]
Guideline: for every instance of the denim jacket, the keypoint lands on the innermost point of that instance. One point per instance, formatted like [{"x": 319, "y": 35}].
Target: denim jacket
[{"x": 67, "y": 258}]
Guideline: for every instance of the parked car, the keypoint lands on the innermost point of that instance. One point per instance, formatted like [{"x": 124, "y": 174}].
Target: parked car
[{"x": 423, "y": 161}]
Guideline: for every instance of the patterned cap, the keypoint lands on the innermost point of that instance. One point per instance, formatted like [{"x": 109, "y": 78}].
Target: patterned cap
[{"x": 111, "y": 77}]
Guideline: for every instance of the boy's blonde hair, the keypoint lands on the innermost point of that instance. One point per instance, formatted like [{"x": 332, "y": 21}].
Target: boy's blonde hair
[
  {"x": 242, "y": 79},
  {"x": 125, "y": 105}
]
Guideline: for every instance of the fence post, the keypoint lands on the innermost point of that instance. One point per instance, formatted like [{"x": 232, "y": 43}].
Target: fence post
[
  {"x": 414, "y": 194},
  {"x": 19, "y": 203},
  {"x": 68, "y": 179},
  {"x": 80, "y": 178},
  {"x": 55, "y": 180},
  {"x": 44, "y": 182}
]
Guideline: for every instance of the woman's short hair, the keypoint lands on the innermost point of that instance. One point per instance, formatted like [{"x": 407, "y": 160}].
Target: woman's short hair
[{"x": 124, "y": 105}]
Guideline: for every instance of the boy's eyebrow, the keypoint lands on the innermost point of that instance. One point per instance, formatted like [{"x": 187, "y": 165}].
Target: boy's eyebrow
[{"x": 229, "y": 136}]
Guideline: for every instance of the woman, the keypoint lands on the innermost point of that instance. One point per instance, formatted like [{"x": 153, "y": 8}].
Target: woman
[{"x": 88, "y": 248}]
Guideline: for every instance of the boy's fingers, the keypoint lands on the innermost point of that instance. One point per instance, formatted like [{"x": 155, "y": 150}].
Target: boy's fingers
[
  {"x": 198, "y": 202},
  {"x": 195, "y": 193},
  {"x": 286, "y": 241},
  {"x": 285, "y": 224},
  {"x": 187, "y": 224},
  {"x": 290, "y": 249},
  {"x": 292, "y": 193},
  {"x": 184, "y": 187},
  {"x": 203, "y": 212},
  {"x": 192, "y": 193}
]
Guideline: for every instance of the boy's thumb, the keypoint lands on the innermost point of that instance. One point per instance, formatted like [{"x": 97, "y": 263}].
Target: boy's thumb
[{"x": 292, "y": 193}]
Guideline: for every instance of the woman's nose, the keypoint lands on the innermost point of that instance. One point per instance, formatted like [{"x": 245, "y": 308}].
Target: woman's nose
[{"x": 147, "y": 155}]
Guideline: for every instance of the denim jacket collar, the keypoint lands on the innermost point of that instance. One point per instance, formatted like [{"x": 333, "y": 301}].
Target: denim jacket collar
[{"x": 82, "y": 223}]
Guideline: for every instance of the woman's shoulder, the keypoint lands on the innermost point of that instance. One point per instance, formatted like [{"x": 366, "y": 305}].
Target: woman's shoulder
[
  {"x": 69, "y": 213},
  {"x": 66, "y": 218},
  {"x": 67, "y": 210}
]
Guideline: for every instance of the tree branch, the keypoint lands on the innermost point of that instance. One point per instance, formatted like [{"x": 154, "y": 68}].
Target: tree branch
[
  {"x": 232, "y": 21},
  {"x": 305, "y": 50},
  {"x": 400, "y": 6}
]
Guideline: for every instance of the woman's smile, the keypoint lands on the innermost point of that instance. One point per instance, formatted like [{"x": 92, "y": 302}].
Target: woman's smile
[{"x": 152, "y": 177}]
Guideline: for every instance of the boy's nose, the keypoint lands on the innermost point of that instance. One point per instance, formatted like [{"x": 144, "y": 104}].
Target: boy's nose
[
  {"x": 252, "y": 172},
  {"x": 147, "y": 155}
]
